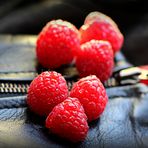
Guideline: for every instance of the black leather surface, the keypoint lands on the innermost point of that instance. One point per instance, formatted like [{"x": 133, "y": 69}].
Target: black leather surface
[
  {"x": 123, "y": 124},
  {"x": 17, "y": 54}
]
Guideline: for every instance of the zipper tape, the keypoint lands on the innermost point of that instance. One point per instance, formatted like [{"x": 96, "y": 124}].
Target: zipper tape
[{"x": 18, "y": 76}]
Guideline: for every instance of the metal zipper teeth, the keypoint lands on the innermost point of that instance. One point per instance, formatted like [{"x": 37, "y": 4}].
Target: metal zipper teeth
[
  {"x": 22, "y": 88},
  {"x": 13, "y": 88},
  {"x": 17, "y": 88}
]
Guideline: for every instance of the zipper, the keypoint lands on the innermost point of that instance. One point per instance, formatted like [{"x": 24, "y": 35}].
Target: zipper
[
  {"x": 15, "y": 83},
  {"x": 127, "y": 74},
  {"x": 18, "y": 83},
  {"x": 21, "y": 88}
]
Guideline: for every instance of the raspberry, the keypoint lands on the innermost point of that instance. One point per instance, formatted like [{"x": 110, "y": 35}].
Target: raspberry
[
  {"x": 45, "y": 91},
  {"x": 68, "y": 120},
  {"x": 56, "y": 44},
  {"x": 98, "y": 16},
  {"x": 102, "y": 29},
  {"x": 92, "y": 95},
  {"x": 95, "y": 57}
]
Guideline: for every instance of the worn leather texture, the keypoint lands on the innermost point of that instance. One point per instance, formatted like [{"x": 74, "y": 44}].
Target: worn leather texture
[
  {"x": 17, "y": 54},
  {"x": 124, "y": 123}
]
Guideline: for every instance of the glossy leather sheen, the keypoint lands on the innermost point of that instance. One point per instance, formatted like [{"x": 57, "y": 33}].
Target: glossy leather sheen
[{"x": 124, "y": 123}]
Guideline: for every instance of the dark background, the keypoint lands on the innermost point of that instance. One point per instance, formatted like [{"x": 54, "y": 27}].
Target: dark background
[{"x": 29, "y": 16}]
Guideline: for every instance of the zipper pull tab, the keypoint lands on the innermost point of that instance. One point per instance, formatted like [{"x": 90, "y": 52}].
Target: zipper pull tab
[{"x": 128, "y": 76}]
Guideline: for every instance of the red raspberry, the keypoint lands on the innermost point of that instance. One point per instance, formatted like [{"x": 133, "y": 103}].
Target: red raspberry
[
  {"x": 56, "y": 43},
  {"x": 92, "y": 95},
  {"x": 98, "y": 16},
  {"x": 68, "y": 120},
  {"x": 45, "y": 91},
  {"x": 95, "y": 57},
  {"x": 102, "y": 29}
]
